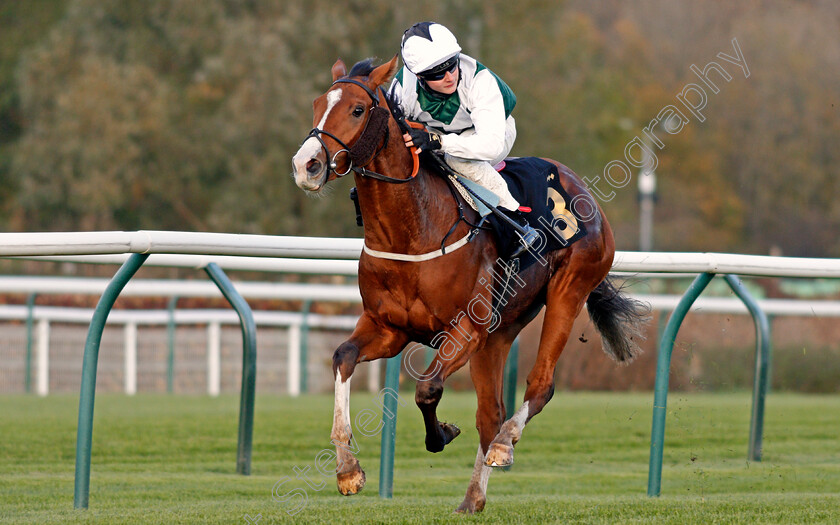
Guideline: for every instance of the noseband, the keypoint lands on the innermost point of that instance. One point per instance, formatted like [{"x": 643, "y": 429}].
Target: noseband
[
  {"x": 365, "y": 150},
  {"x": 366, "y": 147}
]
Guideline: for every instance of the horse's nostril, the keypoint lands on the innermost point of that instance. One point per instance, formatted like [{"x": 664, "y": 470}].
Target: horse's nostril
[{"x": 313, "y": 166}]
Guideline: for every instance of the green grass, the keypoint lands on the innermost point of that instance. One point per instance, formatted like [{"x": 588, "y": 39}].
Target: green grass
[{"x": 162, "y": 459}]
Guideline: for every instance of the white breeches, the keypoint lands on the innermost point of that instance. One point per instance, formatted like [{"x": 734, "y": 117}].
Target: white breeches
[{"x": 482, "y": 172}]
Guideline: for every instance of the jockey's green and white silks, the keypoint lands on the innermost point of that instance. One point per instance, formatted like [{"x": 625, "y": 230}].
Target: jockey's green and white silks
[{"x": 482, "y": 102}]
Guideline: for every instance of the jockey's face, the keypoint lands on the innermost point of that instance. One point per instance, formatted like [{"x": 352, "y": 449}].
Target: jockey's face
[{"x": 447, "y": 85}]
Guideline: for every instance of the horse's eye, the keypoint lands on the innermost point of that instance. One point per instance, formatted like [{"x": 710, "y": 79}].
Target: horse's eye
[{"x": 358, "y": 111}]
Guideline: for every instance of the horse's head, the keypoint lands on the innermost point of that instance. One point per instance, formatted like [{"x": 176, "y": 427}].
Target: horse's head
[{"x": 342, "y": 116}]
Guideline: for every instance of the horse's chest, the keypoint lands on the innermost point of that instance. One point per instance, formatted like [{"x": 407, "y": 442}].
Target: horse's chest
[{"x": 420, "y": 308}]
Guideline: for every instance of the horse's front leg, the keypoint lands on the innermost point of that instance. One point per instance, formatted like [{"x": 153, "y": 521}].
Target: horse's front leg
[
  {"x": 566, "y": 295},
  {"x": 428, "y": 394},
  {"x": 487, "y": 371},
  {"x": 367, "y": 343},
  {"x": 456, "y": 347},
  {"x": 349, "y": 474}
]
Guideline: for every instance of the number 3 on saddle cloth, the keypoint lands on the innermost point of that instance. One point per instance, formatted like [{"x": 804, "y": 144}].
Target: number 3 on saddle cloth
[{"x": 535, "y": 184}]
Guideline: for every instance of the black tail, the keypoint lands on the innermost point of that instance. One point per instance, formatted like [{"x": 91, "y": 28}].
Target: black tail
[{"x": 619, "y": 319}]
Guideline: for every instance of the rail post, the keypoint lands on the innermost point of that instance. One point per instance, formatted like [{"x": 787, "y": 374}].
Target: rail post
[
  {"x": 30, "y": 317},
  {"x": 762, "y": 360},
  {"x": 428, "y": 355},
  {"x": 389, "y": 428},
  {"x": 663, "y": 371},
  {"x": 511, "y": 372},
  {"x": 249, "y": 366},
  {"x": 170, "y": 344},
  {"x": 84, "y": 433},
  {"x": 304, "y": 346}
]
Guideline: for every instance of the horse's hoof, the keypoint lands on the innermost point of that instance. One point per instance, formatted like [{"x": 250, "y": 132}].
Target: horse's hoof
[
  {"x": 351, "y": 482},
  {"x": 435, "y": 445},
  {"x": 499, "y": 455},
  {"x": 450, "y": 432},
  {"x": 469, "y": 506},
  {"x": 445, "y": 434}
]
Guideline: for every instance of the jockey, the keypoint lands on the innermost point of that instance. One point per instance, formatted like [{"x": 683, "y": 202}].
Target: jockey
[{"x": 466, "y": 108}]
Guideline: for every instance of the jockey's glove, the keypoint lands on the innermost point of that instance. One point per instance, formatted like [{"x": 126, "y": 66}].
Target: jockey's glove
[{"x": 425, "y": 140}]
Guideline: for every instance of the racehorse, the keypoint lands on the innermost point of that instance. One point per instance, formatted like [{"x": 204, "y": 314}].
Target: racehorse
[{"x": 413, "y": 291}]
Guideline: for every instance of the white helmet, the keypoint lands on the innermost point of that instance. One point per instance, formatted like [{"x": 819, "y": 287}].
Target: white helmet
[{"x": 426, "y": 45}]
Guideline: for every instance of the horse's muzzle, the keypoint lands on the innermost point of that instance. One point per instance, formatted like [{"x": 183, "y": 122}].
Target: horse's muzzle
[{"x": 309, "y": 170}]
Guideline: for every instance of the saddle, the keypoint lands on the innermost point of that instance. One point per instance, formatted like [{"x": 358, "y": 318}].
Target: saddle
[{"x": 535, "y": 183}]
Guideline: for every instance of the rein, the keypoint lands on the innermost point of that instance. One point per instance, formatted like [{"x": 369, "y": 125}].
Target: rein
[{"x": 365, "y": 150}]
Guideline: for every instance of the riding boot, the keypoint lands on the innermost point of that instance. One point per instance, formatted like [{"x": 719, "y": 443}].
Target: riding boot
[{"x": 527, "y": 234}]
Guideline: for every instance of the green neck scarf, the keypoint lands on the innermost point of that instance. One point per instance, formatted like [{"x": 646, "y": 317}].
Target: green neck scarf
[{"x": 441, "y": 107}]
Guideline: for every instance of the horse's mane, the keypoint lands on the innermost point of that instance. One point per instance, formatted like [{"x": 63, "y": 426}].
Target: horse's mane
[
  {"x": 363, "y": 68},
  {"x": 393, "y": 100}
]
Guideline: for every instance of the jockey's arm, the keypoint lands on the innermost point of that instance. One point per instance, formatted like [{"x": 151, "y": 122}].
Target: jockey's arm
[{"x": 487, "y": 111}]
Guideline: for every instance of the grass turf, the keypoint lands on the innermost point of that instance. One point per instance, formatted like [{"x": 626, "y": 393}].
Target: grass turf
[{"x": 171, "y": 459}]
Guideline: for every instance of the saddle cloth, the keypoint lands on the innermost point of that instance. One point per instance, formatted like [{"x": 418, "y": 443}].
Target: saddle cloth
[{"x": 535, "y": 183}]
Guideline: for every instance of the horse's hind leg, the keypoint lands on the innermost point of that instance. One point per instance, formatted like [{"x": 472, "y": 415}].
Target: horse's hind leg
[
  {"x": 487, "y": 371},
  {"x": 368, "y": 342},
  {"x": 566, "y": 295}
]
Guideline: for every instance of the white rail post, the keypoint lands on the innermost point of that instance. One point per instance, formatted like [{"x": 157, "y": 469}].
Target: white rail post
[
  {"x": 294, "y": 360},
  {"x": 130, "y": 335},
  {"x": 214, "y": 348},
  {"x": 373, "y": 375},
  {"x": 43, "y": 370}
]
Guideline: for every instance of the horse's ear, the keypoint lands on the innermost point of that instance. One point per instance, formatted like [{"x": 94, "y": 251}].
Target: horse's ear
[
  {"x": 381, "y": 74},
  {"x": 339, "y": 70}
]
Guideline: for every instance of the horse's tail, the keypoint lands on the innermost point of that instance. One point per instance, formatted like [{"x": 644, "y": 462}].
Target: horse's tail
[{"x": 619, "y": 319}]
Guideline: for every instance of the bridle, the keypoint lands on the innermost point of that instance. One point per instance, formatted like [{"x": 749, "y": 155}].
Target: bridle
[{"x": 366, "y": 147}]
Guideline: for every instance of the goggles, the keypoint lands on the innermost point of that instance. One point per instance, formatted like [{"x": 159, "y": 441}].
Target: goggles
[{"x": 440, "y": 71}]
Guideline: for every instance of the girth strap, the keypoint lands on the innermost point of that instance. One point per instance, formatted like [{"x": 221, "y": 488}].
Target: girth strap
[{"x": 421, "y": 257}]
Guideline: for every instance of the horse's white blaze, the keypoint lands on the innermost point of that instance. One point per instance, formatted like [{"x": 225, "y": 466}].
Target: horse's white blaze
[
  {"x": 332, "y": 99},
  {"x": 311, "y": 147}
]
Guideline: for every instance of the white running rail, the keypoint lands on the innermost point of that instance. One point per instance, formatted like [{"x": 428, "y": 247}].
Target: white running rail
[
  {"x": 339, "y": 256},
  {"x": 227, "y": 244}
]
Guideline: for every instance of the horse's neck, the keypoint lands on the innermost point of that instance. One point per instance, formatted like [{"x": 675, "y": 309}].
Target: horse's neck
[{"x": 412, "y": 217}]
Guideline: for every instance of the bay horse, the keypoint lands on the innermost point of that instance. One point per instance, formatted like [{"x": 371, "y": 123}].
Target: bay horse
[{"x": 412, "y": 292}]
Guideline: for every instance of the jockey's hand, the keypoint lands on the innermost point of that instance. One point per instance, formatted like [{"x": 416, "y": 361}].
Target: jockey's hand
[{"x": 422, "y": 139}]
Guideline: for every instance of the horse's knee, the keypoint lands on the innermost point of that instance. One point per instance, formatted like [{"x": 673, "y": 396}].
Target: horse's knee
[
  {"x": 344, "y": 359},
  {"x": 428, "y": 392}
]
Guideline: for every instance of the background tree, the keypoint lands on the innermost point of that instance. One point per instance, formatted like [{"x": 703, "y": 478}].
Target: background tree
[{"x": 174, "y": 114}]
